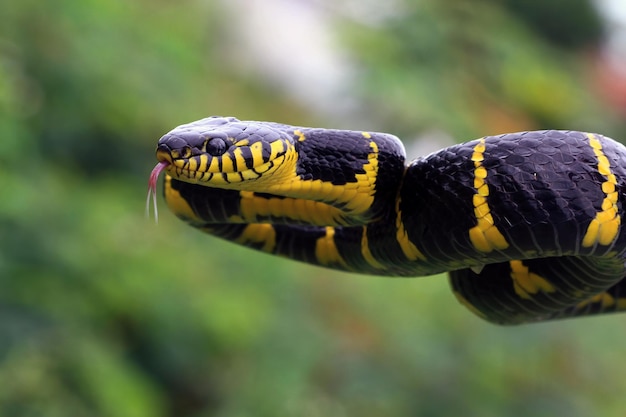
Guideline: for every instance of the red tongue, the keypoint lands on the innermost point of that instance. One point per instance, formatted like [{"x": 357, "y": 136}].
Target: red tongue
[
  {"x": 154, "y": 175},
  {"x": 152, "y": 183}
]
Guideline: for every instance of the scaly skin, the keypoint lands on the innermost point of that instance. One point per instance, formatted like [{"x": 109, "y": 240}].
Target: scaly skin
[{"x": 529, "y": 223}]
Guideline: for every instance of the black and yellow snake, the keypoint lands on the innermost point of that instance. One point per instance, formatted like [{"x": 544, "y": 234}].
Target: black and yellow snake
[{"x": 529, "y": 223}]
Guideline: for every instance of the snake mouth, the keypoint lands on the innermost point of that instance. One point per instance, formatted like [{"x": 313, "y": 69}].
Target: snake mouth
[
  {"x": 234, "y": 168},
  {"x": 180, "y": 163}
]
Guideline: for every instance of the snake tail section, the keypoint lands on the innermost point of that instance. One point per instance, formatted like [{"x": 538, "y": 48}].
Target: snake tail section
[{"x": 528, "y": 224}]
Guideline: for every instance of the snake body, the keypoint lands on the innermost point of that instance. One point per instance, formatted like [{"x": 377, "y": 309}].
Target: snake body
[{"x": 529, "y": 224}]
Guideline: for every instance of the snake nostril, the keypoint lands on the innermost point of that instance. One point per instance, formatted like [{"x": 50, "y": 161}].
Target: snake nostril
[
  {"x": 163, "y": 148},
  {"x": 216, "y": 146}
]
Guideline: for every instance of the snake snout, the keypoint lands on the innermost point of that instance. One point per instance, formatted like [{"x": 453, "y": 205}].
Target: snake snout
[
  {"x": 170, "y": 151},
  {"x": 171, "y": 141},
  {"x": 162, "y": 150}
]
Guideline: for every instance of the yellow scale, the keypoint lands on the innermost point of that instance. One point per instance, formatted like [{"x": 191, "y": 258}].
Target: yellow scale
[
  {"x": 604, "y": 228},
  {"x": 485, "y": 236}
]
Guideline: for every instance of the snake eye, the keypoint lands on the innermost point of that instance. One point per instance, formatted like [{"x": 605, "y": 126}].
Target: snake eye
[{"x": 216, "y": 146}]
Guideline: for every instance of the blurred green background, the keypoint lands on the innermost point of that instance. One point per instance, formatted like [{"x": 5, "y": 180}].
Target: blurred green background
[{"x": 104, "y": 313}]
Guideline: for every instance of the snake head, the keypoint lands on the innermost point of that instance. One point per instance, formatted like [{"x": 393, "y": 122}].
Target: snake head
[{"x": 225, "y": 153}]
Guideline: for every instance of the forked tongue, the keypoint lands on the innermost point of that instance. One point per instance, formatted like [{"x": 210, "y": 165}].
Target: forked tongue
[{"x": 152, "y": 184}]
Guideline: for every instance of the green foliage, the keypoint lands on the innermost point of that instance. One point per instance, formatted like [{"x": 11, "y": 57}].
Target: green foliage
[
  {"x": 478, "y": 63},
  {"x": 581, "y": 28},
  {"x": 104, "y": 313}
]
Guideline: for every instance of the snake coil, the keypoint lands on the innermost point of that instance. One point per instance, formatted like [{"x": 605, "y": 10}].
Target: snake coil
[{"x": 529, "y": 224}]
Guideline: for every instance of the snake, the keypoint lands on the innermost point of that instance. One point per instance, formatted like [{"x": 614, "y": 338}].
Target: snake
[{"x": 529, "y": 226}]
